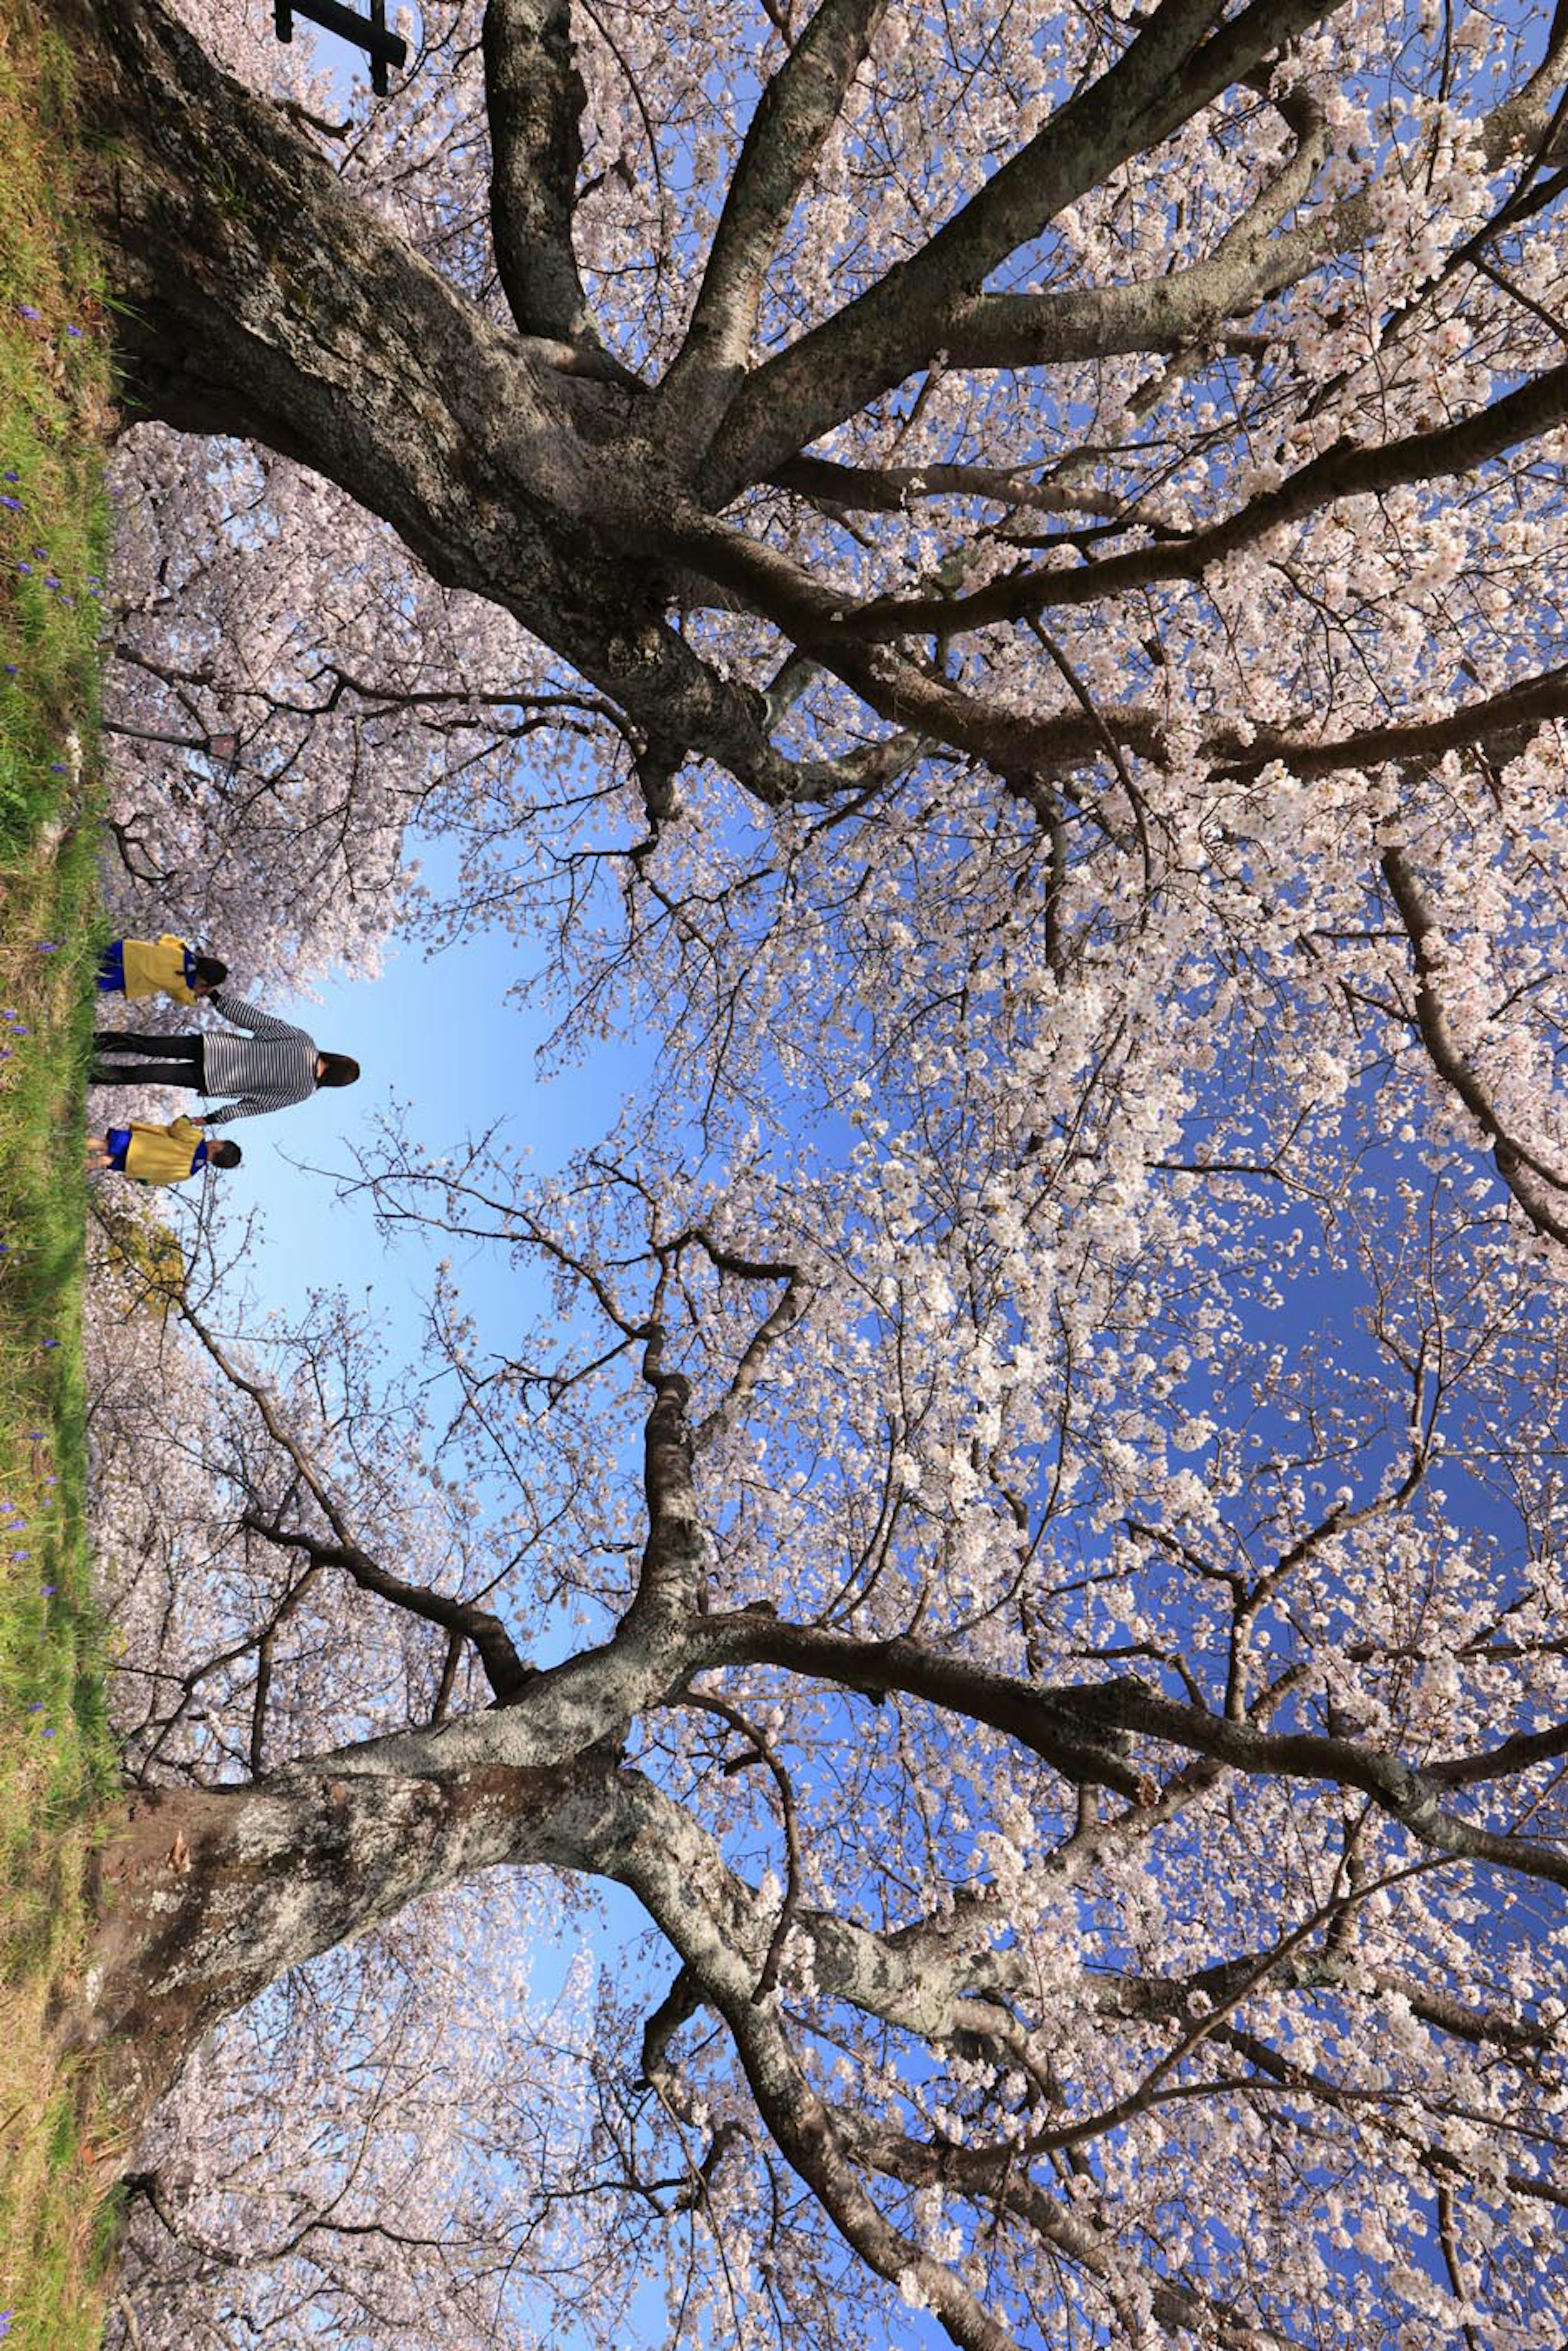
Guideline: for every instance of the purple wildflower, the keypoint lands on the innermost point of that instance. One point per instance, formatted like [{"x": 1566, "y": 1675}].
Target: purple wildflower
[
  {"x": 46, "y": 1734},
  {"x": 74, "y": 331},
  {"x": 48, "y": 1590},
  {"x": 28, "y": 310},
  {"x": 23, "y": 1555},
  {"x": 15, "y": 504},
  {"x": 26, "y": 569},
  {"x": 51, "y": 1342}
]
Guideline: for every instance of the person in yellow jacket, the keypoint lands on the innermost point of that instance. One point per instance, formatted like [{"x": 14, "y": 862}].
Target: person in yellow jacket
[
  {"x": 158, "y": 1155},
  {"x": 160, "y": 967}
]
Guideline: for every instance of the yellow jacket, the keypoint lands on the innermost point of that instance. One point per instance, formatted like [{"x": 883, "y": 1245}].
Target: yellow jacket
[
  {"x": 156, "y": 966},
  {"x": 162, "y": 1154}
]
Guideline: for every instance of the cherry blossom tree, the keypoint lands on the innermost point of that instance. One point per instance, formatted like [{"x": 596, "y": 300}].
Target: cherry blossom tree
[
  {"x": 1028, "y": 1535},
  {"x": 1324, "y": 288},
  {"x": 1088, "y": 1803}
]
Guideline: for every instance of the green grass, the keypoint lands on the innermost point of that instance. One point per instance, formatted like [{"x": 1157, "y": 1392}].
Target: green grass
[{"x": 56, "y": 1760}]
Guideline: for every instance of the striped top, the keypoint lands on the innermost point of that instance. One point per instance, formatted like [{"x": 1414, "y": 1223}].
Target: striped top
[{"x": 268, "y": 1067}]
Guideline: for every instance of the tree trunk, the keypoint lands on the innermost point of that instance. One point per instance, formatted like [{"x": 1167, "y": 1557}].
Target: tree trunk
[
  {"x": 205, "y": 1897},
  {"x": 256, "y": 297}
]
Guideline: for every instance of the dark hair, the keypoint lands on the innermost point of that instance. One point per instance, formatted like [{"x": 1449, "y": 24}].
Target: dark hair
[
  {"x": 210, "y": 970},
  {"x": 339, "y": 1069},
  {"x": 222, "y": 1155}
]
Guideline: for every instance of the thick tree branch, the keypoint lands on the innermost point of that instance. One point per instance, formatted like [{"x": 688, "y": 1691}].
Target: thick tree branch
[
  {"x": 1520, "y": 1753},
  {"x": 1166, "y": 75},
  {"x": 1061, "y": 1727},
  {"x": 1170, "y": 313},
  {"x": 1524, "y": 415},
  {"x": 654, "y": 1848},
  {"x": 1405, "y": 1792},
  {"x": 669, "y": 1580},
  {"x": 1503, "y": 721},
  {"x": 1063, "y": 742},
  {"x": 794, "y": 115},
  {"x": 534, "y": 96},
  {"x": 1158, "y": 1996},
  {"x": 508, "y": 1673},
  {"x": 679, "y": 2005},
  {"x": 889, "y": 489},
  {"x": 1064, "y": 1726}
]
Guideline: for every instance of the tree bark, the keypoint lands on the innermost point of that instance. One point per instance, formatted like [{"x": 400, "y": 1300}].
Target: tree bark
[
  {"x": 256, "y": 297},
  {"x": 204, "y": 1896}
]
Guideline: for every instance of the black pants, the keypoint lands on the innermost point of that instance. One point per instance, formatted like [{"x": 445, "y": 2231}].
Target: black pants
[{"x": 167, "y": 1060}]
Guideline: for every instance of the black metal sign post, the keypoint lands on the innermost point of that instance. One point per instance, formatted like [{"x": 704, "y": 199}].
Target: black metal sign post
[{"x": 369, "y": 33}]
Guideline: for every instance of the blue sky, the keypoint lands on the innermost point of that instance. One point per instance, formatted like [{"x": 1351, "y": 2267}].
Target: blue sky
[{"x": 436, "y": 1034}]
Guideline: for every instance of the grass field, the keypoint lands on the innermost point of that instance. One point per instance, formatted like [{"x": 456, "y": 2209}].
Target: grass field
[{"x": 56, "y": 1760}]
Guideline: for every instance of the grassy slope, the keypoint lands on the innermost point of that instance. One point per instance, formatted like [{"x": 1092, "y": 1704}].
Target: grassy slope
[{"x": 55, "y": 1756}]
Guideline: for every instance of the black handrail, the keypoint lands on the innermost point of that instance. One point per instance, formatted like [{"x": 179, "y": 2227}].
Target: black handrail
[{"x": 369, "y": 33}]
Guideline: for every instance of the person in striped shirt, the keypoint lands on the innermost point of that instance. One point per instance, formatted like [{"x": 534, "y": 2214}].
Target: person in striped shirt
[{"x": 269, "y": 1066}]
